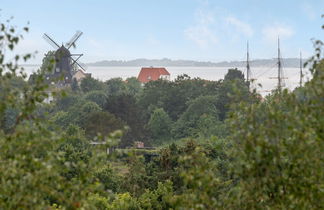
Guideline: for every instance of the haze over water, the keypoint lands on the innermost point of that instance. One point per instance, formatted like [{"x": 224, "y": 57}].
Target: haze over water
[{"x": 260, "y": 74}]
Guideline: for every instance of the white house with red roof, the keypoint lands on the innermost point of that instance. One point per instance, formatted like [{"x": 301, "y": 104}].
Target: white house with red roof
[{"x": 151, "y": 74}]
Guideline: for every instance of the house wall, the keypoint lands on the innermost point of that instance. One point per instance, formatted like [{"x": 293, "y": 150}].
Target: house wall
[
  {"x": 79, "y": 76},
  {"x": 165, "y": 77}
]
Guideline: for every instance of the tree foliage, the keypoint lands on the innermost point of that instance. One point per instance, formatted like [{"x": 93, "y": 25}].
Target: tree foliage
[
  {"x": 271, "y": 157},
  {"x": 160, "y": 125},
  {"x": 90, "y": 84},
  {"x": 280, "y": 149},
  {"x": 30, "y": 168}
]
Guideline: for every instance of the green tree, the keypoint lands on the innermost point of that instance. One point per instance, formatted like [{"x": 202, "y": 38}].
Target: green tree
[
  {"x": 64, "y": 103},
  {"x": 89, "y": 84},
  {"x": 97, "y": 96},
  {"x": 74, "y": 114},
  {"x": 48, "y": 62},
  {"x": 124, "y": 107},
  {"x": 234, "y": 74},
  {"x": 116, "y": 86},
  {"x": 160, "y": 125},
  {"x": 201, "y": 188},
  {"x": 9, "y": 119},
  {"x": 80, "y": 114},
  {"x": 232, "y": 90},
  {"x": 210, "y": 125},
  {"x": 101, "y": 122},
  {"x": 279, "y": 150},
  {"x": 173, "y": 97},
  {"x": 133, "y": 86},
  {"x": 75, "y": 86},
  {"x": 31, "y": 167},
  {"x": 199, "y": 108},
  {"x": 108, "y": 177},
  {"x": 76, "y": 153},
  {"x": 61, "y": 118}
]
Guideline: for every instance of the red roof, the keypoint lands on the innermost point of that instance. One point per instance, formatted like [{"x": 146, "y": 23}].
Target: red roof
[{"x": 151, "y": 74}]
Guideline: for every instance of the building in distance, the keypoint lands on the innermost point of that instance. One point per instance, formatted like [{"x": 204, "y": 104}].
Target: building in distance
[
  {"x": 148, "y": 74},
  {"x": 80, "y": 75},
  {"x": 63, "y": 61}
]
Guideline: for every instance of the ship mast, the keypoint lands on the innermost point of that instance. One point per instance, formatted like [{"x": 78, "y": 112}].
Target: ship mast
[
  {"x": 280, "y": 77},
  {"x": 301, "y": 70},
  {"x": 279, "y": 67},
  {"x": 248, "y": 70}
]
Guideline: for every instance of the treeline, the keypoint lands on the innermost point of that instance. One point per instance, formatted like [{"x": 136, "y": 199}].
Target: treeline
[
  {"x": 240, "y": 152},
  {"x": 158, "y": 113}
]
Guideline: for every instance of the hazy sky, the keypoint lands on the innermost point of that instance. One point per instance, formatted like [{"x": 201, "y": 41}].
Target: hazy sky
[{"x": 213, "y": 30}]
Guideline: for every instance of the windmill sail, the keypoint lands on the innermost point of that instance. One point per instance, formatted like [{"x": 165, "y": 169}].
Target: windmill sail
[
  {"x": 51, "y": 41},
  {"x": 73, "y": 40},
  {"x": 75, "y": 62}
]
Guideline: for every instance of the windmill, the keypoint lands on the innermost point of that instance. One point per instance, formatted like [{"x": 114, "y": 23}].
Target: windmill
[{"x": 64, "y": 61}]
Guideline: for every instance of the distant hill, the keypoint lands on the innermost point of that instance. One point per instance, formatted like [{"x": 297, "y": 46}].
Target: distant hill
[{"x": 287, "y": 62}]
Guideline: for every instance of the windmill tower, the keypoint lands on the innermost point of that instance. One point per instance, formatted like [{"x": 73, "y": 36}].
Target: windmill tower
[{"x": 64, "y": 61}]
